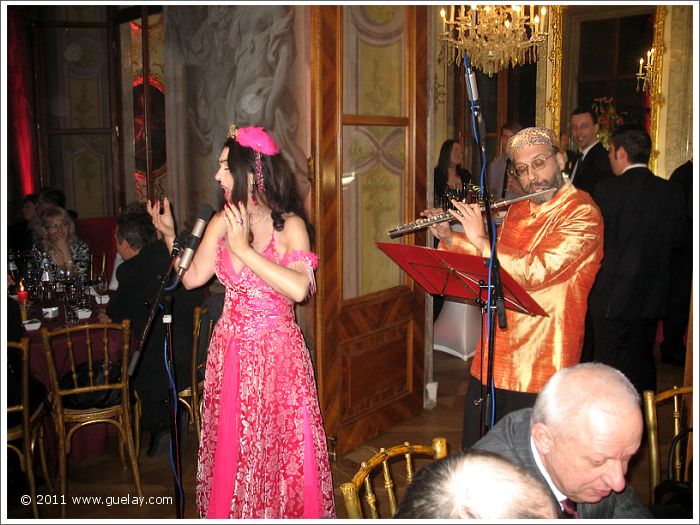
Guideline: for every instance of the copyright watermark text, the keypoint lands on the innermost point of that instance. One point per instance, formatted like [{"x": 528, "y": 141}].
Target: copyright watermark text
[{"x": 109, "y": 501}]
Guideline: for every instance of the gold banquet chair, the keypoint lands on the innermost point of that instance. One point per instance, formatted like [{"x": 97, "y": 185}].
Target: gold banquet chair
[
  {"x": 95, "y": 388},
  {"x": 30, "y": 430},
  {"x": 679, "y": 401},
  {"x": 385, "y": 458},
  {"x": 191, "y": 396}
]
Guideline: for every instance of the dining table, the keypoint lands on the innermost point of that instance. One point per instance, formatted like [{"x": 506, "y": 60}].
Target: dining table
[{"x": 89, "y": 441}]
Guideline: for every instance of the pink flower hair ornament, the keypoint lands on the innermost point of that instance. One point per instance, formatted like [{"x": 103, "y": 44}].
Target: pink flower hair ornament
[{"x": 254, "y": 137}]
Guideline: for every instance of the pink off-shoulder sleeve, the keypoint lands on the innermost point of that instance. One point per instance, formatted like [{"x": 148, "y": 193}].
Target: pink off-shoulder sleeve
[{"x": 309, "y": 261}]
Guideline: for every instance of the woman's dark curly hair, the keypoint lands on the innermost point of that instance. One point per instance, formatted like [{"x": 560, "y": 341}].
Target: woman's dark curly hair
[{"x": 281, "y": 194}]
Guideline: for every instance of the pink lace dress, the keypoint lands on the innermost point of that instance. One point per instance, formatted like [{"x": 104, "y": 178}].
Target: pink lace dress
[{"x": 263, "y": 449}]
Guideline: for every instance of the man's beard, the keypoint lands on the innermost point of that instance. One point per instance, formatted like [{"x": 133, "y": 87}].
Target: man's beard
[{"x": 531, "y": 188}]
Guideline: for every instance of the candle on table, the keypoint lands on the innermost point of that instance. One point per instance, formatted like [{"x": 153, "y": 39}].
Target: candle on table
[{"x": 22, "y": 298}]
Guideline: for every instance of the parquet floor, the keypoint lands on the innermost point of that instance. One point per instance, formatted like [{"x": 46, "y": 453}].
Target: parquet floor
[{"x": 103, "y": 477}]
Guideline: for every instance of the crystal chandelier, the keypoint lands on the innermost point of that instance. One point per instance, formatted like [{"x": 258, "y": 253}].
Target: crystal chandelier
[
  {"x": 646, "y": 72},
  {"x": 493, "y": 36}
]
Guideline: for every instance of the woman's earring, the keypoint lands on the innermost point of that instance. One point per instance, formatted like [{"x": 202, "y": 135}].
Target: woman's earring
[{"x": 253, "y": 192}]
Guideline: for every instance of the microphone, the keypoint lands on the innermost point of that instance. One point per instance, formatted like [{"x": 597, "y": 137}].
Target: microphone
[
  {"x": 473, "y": 93},
  {"x": 205, "y": 213}
]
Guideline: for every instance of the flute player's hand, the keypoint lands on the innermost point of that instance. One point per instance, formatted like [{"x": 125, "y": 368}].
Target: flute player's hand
[
  {"x": 471, "y": 219},
  {"x": 440, "y": 230}
]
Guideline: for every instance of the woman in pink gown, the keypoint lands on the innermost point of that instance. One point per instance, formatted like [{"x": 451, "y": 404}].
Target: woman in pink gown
[{"x": 263, "y": 448}]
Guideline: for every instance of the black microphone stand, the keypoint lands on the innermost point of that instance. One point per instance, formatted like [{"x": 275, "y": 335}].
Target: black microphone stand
[
  {"x": 495, "y": 306},
  {"x": 164, "y": 299}
]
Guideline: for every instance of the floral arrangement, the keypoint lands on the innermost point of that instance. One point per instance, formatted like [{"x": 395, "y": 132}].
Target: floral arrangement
[{"x": 608, "y": 117}]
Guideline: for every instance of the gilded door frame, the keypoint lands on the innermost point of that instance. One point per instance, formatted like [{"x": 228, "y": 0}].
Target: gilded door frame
[{"x": 553, "y": 93}]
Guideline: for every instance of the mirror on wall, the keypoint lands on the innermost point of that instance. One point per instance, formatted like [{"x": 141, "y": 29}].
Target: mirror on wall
[{"x": 602, "y": 47}]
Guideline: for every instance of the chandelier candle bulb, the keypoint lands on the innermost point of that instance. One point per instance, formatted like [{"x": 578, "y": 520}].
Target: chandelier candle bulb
[{"x": 543, "y": 15}]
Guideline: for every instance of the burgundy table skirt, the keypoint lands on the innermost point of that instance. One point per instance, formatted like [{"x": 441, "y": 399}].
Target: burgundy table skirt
[{"x": 90, "y": 441}]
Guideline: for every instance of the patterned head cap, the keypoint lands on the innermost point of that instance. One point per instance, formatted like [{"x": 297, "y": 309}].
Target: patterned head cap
[{"x": 531, "y": 137}]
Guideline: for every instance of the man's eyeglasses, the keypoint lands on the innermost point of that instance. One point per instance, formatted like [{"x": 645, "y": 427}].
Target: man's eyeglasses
[{"x": 522, "y": 170}]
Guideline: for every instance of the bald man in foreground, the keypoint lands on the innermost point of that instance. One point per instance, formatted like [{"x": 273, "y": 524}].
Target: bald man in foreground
[
  {"x": 476, "y": 484},
  {"x": 579, "y": 438}
]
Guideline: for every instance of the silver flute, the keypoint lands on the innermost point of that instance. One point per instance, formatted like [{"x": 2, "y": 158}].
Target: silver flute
[{"x": 422, "y": 224}]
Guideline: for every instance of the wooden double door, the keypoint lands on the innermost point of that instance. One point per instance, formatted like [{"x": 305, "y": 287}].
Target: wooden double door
[{"x": 369, "y": 119}]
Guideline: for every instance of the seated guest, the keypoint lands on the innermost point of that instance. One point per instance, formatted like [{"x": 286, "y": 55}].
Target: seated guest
[
  {"x": 476, "y": 484},
  {"x": 57, "y": 239},
  {"x": 49, "y": 196},
  {"x": 579, "y": 438},
  {"x": 145, "y": 259},
  {"x": 20, "y": 235}
]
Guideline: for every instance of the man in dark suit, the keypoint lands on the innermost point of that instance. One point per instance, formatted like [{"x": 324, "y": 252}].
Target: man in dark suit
[
  {"x": 645, "y": 219},
  {"x": 592, "y": 164},
  {"x": 145, "y": 259},
  {"x": 579, "y": 437},
  {"x": 676, "y": 322}
]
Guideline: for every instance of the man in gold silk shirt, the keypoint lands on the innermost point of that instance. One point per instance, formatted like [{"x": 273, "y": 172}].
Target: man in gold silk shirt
[{"x": 552, "y": 245}]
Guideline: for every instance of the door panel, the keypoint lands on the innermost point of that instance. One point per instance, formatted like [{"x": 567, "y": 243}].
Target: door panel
[{"x": 371, "y": 176}]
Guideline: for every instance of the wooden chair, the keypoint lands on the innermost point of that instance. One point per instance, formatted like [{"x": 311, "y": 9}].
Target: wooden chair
[
  {"x": 191, "y": 396},
  {"x": 364, "y": 476},
  {"x": 681, "y": 418},
  {"x": 30, "y": 430},
  {"x": 95, "y": 388}
]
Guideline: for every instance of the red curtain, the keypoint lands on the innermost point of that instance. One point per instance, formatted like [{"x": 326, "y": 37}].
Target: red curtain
[{"x": 22, "y": 141}]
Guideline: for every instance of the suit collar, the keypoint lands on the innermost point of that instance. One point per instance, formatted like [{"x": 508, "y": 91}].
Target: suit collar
[
  {"x": 633, "y": 166},
  {"x": 589, "y": 148},
  {"x": 540, "y": 466}
]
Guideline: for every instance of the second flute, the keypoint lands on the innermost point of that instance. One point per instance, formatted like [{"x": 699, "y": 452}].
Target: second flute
[{"x": 422, "y": 224}]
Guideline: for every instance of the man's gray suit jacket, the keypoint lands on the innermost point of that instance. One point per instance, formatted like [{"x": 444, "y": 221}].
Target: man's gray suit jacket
[{"x": 510, "y": 437}]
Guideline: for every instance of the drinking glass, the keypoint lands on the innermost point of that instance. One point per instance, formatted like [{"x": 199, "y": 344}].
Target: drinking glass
[
  {"x": 100, "y": 284},
  {"x": 69, "y": 314}
]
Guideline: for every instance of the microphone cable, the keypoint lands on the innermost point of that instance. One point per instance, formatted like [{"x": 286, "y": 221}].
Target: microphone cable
[{"x": 492, "y": 229}]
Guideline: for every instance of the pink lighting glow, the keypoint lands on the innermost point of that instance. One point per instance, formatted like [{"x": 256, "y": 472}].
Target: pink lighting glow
[{"x": 19, "y": 90}]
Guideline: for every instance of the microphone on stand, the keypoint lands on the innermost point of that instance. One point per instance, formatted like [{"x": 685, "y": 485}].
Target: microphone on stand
[
  {"x": 473, "y": 93},
  {"x": 205, "y": 213}
]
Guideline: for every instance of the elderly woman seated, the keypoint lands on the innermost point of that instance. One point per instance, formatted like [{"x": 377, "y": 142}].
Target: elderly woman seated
[{"x": 57, "y": 239}]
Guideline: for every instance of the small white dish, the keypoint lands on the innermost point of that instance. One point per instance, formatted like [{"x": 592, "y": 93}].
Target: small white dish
[
  {"x": 31, "y": 324},
  {"x": 84, "y": 313},
  {"x": 50, "y": 313}
]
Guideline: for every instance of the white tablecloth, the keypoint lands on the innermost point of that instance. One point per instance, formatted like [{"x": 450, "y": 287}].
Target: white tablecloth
[{"x": 456, "y": 330}]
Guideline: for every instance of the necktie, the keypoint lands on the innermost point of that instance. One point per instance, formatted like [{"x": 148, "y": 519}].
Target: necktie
[
  {"x": 579, "y": 160},
  {"x": 569, "y": 509}
]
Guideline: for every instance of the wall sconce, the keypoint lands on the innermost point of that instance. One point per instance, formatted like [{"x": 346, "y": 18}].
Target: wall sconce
[{"x": 646, "y": 72}]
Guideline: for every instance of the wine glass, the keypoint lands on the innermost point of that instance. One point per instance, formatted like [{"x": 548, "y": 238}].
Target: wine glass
[{"x": 100, "y": 284}]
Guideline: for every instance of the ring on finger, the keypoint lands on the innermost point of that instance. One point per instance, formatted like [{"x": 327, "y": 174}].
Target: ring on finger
[{"x": 240, "y": 221}]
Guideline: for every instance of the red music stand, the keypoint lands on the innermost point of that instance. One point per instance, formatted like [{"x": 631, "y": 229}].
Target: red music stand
[{"x": 458, "y": 275}]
